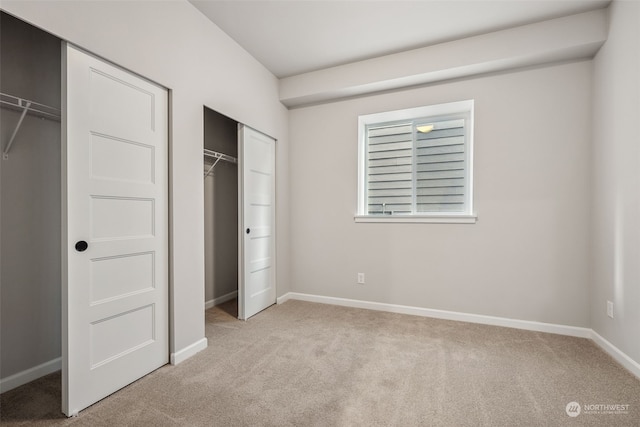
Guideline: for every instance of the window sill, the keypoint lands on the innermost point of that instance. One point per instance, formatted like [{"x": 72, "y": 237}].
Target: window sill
[{"x": 433, "y": 219}]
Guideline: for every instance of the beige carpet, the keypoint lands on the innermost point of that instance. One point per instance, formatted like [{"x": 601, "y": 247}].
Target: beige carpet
[{"x": 307, "y": 364}]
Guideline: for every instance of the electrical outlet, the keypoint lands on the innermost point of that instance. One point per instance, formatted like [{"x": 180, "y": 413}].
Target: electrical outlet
[
  {"x": 610, "y": 309},
  {"x": 361, "y": 278}
]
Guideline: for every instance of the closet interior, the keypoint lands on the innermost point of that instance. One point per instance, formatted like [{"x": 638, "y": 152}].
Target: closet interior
[
  {"x": 30, "y": 202},
  {"x": 220, "y": 209}
]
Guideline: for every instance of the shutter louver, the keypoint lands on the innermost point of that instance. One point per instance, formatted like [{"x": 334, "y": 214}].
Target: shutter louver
[
  {"x": 413, "y": 172},
  {"x": 390, "y": 169},
  {"x": 440, "y": 167}
]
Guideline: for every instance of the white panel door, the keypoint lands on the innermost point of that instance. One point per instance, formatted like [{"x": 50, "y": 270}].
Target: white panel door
[
  {"x": 257, "y": 267},
  {"x": 115, "y": 302}
]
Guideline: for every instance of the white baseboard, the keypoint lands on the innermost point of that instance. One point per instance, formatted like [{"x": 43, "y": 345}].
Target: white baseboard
[
  {"x": 573, "y": 331},
  {"x": 187, "y": 352},
  {"x": 284, "y": 298},
  {"x": 220, "y": 300},
  {"x": 617, "y": 354},
  {"x": 28, "y": 375}
]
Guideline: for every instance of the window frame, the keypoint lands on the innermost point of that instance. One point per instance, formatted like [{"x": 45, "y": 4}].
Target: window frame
[{"x": 418, "y": 113}]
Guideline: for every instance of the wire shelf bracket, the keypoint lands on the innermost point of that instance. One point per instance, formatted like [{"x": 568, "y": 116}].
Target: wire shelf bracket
[
  {"x": 25, "y": 106},
  {"x": 218, "y": 156}
]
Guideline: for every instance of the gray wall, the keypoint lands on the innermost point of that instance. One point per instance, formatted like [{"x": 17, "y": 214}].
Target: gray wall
[
  {"x": 527, "y": 256},
  {"x": 201, "y": 65},
  {"x": 30, "y": 202},
  {"x": 615, "y": 270},
  {"x": 221, "y": 208}
]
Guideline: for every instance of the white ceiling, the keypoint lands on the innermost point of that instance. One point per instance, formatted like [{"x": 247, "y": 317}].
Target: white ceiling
[{"x": 290, "y": 37}]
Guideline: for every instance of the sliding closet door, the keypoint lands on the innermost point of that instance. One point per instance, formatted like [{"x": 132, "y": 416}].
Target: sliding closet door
[
  {"x": 115, "y": 302},
  {"x": 257, "y": 269}
]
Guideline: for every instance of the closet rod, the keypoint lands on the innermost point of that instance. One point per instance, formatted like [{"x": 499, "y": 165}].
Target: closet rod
[
  {"x": 218, "y": 156},
  {"x": 26, "y": 106}
]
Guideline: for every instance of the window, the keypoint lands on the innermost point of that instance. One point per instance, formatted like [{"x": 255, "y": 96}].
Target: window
[{"x": 415, "y": 165}]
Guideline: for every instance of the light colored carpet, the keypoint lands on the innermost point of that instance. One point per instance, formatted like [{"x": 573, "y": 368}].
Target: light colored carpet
[{"x": 305, "y": 364}]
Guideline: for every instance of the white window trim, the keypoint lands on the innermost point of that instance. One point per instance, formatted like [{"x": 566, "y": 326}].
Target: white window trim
[
  {"x": 433, "y": 219},
  {"x": 468, "y": 217}
]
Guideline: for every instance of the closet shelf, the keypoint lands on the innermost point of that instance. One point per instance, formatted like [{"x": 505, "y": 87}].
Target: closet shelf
[
  {"x": 39, "y": 110},
  {"x": 218, "y": 156},
  {"x": 25, "y": 106}
]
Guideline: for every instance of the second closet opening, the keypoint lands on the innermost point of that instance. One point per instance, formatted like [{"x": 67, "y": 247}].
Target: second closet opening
[{"x": 221, "y": 211}]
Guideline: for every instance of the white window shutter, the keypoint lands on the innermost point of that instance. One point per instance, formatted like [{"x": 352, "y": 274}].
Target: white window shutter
[
  {"x": 440, "y": 167},
  {"x": 390, "y": 169},
  {"x": 417, "y": 162}
]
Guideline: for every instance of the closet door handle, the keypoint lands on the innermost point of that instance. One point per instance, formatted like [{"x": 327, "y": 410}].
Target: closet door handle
[
  {"x": 248, "y": 230},
  {"x": 81, "y": 246}
]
